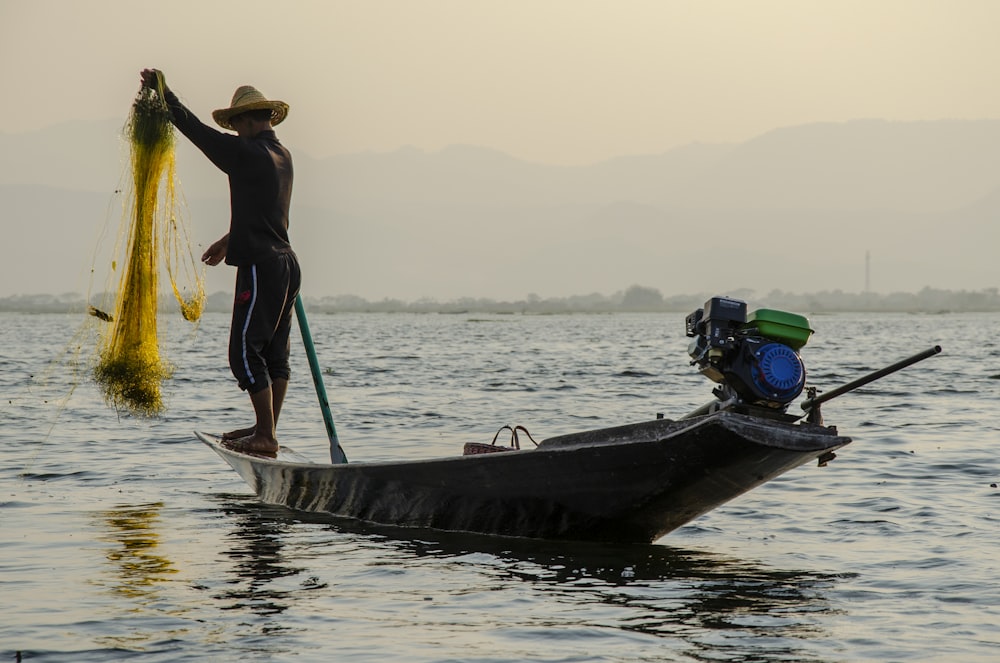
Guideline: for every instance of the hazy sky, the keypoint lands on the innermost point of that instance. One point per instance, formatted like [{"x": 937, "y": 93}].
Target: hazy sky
[{"x": 562, "y": 82}]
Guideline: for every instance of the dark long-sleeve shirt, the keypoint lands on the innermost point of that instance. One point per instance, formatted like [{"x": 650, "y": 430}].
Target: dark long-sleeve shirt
[{"x": 260, "y": 185}]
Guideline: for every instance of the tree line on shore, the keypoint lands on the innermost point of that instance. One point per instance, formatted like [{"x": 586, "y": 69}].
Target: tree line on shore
[{"x": 634, "y": 299}]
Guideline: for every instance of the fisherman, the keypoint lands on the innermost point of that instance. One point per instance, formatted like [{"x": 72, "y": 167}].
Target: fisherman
[{"x": 267, "y": 270}]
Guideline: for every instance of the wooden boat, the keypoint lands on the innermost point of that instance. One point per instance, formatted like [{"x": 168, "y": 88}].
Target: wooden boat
[{"x": 630, "y": 483}]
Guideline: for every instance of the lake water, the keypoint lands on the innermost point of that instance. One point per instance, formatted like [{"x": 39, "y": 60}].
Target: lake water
[{"x": 127, "y": 539}]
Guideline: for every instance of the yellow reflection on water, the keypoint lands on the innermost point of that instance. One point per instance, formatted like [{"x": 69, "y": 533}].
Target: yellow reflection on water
[{"x": 138, "y": 566}]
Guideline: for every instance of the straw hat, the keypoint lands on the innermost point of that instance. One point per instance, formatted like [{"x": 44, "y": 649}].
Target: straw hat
[{"x": 248, "y": 98}]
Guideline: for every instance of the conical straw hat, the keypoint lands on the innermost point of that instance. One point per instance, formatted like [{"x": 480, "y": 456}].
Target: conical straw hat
[{"x": 248, "y": 98}]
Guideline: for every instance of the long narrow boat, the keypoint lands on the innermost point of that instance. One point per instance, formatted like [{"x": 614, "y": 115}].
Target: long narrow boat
[{"x": 630, "y": 483}]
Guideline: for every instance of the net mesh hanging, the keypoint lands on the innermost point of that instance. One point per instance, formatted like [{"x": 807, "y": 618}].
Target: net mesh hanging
[{"x": 129, "y": 368}]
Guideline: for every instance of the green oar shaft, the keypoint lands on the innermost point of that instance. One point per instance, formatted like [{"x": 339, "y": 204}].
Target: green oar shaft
[{"x": 337, "y": 454}]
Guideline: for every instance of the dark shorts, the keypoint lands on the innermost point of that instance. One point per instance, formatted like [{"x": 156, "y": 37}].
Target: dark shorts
[{"x": 262, "y": 320}]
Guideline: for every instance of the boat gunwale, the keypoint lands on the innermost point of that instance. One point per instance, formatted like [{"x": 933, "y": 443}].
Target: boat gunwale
[{"x": 758, "y": 428}]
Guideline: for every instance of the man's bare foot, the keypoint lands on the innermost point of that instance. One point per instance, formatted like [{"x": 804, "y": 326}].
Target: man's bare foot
[
  {"x": 241, "y": 432},
  {"x": 255, "y": 445}
]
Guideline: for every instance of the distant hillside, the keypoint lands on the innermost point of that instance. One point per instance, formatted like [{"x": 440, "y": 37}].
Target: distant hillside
[
  {"x": 794, "y": 209},
  {"x": 864, "y": 165}
]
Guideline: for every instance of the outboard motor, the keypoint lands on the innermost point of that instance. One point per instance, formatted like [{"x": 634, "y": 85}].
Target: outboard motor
[{"x": 754, "y": 357}]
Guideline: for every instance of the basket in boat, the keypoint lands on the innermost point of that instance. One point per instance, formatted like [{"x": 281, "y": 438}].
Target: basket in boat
[{"x": 473, "y": 448}]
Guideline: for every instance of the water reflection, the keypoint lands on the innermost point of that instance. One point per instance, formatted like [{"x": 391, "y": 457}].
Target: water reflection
[
  {"x": 140, "y": 573},
  {"x": 723, "y": 608},
  {"x": 704, "y": 606},
  {"x": 258, "y": 563},
  {"x": 138, "y": 566}
]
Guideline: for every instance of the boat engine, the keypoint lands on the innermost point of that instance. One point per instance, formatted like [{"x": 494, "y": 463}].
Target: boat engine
[{"x": 754, "y": 357}]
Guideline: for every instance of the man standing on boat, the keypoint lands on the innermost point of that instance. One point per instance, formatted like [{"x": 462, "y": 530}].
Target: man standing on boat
[{"x": 267, "y": 270}]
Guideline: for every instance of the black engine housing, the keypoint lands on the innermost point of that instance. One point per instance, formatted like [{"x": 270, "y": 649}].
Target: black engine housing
[{"x": 752, "y": 367}]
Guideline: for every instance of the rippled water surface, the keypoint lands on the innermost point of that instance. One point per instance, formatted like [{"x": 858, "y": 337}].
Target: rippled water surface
[{"x": 128, "y": 539}]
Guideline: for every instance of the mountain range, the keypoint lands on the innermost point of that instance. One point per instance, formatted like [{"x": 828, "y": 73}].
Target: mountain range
[{"x": 796, "y": 209}]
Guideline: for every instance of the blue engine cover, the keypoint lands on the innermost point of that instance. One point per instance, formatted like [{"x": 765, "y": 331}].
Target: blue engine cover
[{"x": 778, "y": 372}]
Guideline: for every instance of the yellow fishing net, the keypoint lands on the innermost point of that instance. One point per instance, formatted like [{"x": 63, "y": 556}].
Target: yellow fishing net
[{"x": 129, "y": 369}]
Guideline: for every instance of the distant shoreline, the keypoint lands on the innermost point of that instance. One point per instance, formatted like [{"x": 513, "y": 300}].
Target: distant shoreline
[{"x": 635, "y": 299}]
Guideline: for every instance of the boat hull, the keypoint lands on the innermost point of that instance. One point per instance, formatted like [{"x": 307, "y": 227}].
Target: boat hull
[{"x": 632, "y": 483}]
